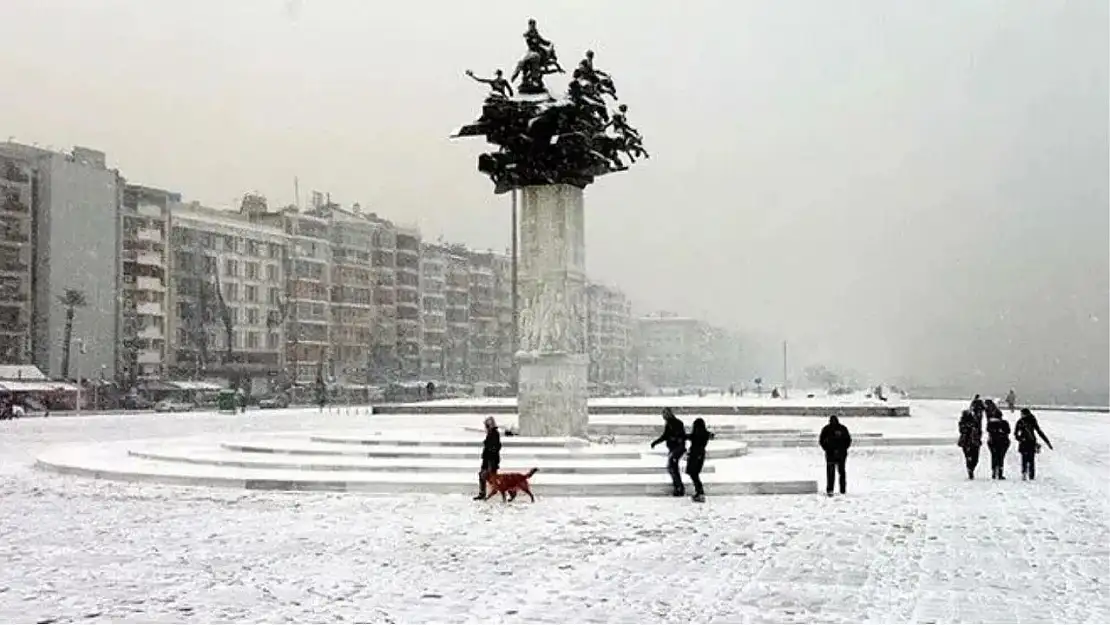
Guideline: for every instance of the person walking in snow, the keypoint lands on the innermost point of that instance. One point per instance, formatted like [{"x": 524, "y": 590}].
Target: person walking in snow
[
  {"x": 695, "y": 457},
  {"x": 674, "y": 435},
  {"x": 1011, "y": 400},
  {"x": 1026, "y": 431},
  {"x": 971, "y": 441},
  {"x": 491, "y": 457},
  {"x": 977, "y": 409},
  {"x": 998, "y": 442},
  {"x": 835, "y": 440}
]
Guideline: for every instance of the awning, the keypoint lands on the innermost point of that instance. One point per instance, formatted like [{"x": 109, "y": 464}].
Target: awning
[
  {"x": 157, "y": 386},
  {"x": 194, "y": 385},
  {"x": 14, "y": 386}
]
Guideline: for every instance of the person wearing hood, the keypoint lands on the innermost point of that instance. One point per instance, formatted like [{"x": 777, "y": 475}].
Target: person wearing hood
[
  {"x": 977, "y": 409},
  {"x": 491, "y": 456},
  {"x": 674, "y": 435},
  {"x": 998, "y": 441},
  {"x": 695, "y": 458},
  {"x": 971, "y": 441},
  {"x": 835, "y": 440},
  {"x": 1026, "y": 431}
]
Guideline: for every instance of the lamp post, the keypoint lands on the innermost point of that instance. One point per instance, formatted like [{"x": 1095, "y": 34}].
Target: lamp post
[{"x": 77, "y": 365}]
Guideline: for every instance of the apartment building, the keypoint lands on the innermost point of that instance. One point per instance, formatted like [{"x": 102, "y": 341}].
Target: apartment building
[
  {"x": 457, "y": 361},
  {"x": 410, "y": 330},
  {"x": 16, "y": 255},
  {"x": 433, "y": 317},
  {"x": 227, "y": 276},
  {"x": 506, "y": 346},
  {"x": 352, "y": 295},
  {"x": 144, "y": 218},
  {"x": 484, "y": 330},
  {"x": 74, "y": 243},
  {"x": 609, "y": 336},
  {"x": 673, "y": 351}
]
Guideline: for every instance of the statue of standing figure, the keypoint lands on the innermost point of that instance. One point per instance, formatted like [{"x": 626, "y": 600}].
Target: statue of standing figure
[{"x": 539, "y": 61}]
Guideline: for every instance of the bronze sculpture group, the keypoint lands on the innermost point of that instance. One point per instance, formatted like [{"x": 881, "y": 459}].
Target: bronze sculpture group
[{"x": 545, "y": 140}]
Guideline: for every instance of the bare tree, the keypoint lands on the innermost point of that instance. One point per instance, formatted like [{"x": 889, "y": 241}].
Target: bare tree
[{"x": 224, "y": 312}]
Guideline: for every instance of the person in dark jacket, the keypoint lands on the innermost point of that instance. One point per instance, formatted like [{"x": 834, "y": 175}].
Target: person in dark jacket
[
  {"x": 1011, "y": 400},
  {"x": 992, "y": 410},
  {"x": 1026, "y": 431},
  {"x": 491, "y": 457},
  {"x": 977, "y": 409},
  {"x": 835, "y": 440},
  {"x": 998, "y": 442},
  {"x": 695, "y": 457},
  {"x": 674, "y": 435},
  {"x": 971, "y": 441}
]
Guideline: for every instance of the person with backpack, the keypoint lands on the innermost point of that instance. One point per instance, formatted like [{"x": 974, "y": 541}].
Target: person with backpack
[
  {"x": 835, "y": 440},
  {"x": 1026, "y": 431},
  {"x": 971, "y": 441},
  {"x": 998, "y": 442},
  {"x": 674, "y": 435},
  {"x": 695, "y": 457}
]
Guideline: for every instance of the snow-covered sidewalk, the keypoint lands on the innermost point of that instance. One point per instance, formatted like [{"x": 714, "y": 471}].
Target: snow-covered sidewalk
[{"x": 913, "y": 541}]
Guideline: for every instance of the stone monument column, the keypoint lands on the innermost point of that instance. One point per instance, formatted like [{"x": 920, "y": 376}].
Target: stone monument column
[
  {"x": 553, "y": 363},
  {"x": 549, "y": 148}
]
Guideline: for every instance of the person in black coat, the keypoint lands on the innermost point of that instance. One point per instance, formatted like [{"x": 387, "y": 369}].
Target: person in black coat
[
  {"x": 1026, "y": 431},
  {"x": 977, "y": 409},
  {"x": 695, "y": 457},
  {"x": 998, "y": 442},
  {"x": 491, "y": 456},
  {"x": 674, "y": 435},
  {"x": 971, "y": 441},
  {"x": 835, "y": 440}
]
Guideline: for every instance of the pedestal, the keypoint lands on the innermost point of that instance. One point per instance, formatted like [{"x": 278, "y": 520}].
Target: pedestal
[{"x": 553, "y": 363}]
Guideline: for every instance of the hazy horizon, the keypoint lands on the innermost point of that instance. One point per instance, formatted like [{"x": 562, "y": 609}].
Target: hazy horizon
[{"x": 907, "y": 189}]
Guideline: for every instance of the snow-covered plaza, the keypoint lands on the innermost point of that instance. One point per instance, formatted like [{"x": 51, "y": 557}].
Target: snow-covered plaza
[{"x": 913, "y": 541}]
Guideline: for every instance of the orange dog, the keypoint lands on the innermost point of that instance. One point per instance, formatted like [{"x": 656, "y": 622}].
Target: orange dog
[{"x": 509, "y": 484}]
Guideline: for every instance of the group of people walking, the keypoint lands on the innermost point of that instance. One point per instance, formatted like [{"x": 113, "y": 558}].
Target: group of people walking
[
  {"x": 834, "y": 440},
  {"x": 1025, "y": 431},
  {"x": 675, "y": 437}
]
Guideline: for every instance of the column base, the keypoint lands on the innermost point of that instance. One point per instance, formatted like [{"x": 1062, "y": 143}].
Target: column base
[{"x": 552, "y": 394}]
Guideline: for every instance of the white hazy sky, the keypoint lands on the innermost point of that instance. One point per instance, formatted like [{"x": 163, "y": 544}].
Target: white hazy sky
[{"x": 911, "y": 188}]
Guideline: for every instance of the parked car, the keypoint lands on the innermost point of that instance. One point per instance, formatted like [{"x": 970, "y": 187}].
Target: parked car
[
  {"x": 170, "y": 405},
  {"x": 137, "y": 402},
  {"x": 274, "y": 401}
]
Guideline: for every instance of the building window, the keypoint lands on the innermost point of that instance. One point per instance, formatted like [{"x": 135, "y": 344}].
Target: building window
[
  {"x": 251, "y": 293},
  {"x": 252, "y": 340},
  {"x": 275, "y": 250},
  {"x": 252, "y": 314},
  {"x": 229, "y": 243},
  {"x": 275, "y": 297},
  {"x": 251, "y": 270},
  {"x": 210, "y": 265},
  {"x": 231, "y": 292},
  {"x": 272, "y": 273},
  {"x": 272, "y": 340},
  {"x": 231, "y": 267}
]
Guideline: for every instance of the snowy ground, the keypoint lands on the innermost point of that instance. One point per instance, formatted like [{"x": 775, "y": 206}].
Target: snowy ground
[{"x": 915, "y": 543}]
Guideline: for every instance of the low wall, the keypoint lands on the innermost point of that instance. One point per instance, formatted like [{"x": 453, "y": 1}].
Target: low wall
[{"x": 641, "y": 409}]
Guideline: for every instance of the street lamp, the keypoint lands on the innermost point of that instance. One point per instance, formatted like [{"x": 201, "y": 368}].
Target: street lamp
[{"x": 77, "y": 364}]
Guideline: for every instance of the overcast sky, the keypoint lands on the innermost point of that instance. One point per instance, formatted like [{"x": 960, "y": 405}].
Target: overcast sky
[{"x": 910, "y": 188}]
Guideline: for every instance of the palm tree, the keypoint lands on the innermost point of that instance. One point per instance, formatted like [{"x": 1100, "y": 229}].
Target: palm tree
[{"x": 72, "y": 299}]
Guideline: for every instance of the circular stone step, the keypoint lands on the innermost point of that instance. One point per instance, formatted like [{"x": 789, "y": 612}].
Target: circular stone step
[
  {"x": 443, "y": 441},
  {"x": 296, "y": 463},
  {"x": 212, "y": 457}
]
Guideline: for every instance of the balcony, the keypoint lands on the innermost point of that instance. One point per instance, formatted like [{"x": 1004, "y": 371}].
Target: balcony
[
  {"x": 154, "y": 309},
  {"x": 149, "y": 234},
  {"x": 150, "y": 332},
  {"x": 149, "y": 284},
  {"x": 149, "y": 210},
  {"x": 150, "y": 357}
]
